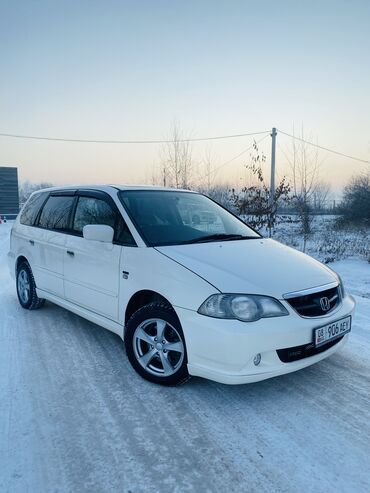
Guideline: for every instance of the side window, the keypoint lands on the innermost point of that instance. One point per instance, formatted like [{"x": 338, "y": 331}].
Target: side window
[
  {"x": 55, "y": 213},
  {"x": 90, "y": 210},
  {"x": 31, "y": 209}
]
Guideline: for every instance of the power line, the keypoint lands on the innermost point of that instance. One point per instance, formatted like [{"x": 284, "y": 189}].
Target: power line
[
  {"x": 90, "y": 141},
  {"x": 168, "y": 141},
  {"x": 325, "y": 148},
  {"x": 285, "y": 155},
  {"x": 233, "y": 158}
]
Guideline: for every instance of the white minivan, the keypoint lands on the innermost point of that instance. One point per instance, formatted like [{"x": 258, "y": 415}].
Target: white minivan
[{"x": 190, "y": 287}]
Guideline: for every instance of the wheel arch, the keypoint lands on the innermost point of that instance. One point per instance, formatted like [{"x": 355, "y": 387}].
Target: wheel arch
[
  {"x": 20, "y": 259},
  {"x": 142, "y": 298}
]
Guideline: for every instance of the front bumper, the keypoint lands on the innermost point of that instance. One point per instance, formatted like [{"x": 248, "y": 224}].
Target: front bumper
[{"x": 223, "y": 350}]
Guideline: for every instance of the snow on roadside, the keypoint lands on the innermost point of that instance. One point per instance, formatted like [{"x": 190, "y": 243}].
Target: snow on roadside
[
  {"x": 326, "y": 243},
  {"x": 356, "y": 275}
]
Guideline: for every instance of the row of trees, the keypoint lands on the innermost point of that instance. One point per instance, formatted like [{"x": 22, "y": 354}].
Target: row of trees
[
  {"x": 27, "y": 188},
  {"x": 301, "y": 192},
  {"x": 179, "y": 169},
  {"x": 355, "y": 207}
]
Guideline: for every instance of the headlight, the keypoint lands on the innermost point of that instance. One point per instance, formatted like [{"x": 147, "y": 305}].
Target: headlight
[
  {"x": 340, "y": 280},
  {"x": 245, "y": 307}
]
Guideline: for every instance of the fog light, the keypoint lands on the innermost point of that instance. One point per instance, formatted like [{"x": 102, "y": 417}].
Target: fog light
[{"x": 257, "y": 359}]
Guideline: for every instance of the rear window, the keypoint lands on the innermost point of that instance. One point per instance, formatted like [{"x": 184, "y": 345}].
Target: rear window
[{"x": 56, "y": 213}]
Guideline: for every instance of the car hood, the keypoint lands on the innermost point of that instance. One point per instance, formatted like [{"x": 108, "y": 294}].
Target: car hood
[{"x": 258, "y": 266}]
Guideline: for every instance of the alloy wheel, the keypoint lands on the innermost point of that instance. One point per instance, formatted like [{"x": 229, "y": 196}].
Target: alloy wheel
[
  {"x": 24, "y": 286},
  {"x": 158, "y": 347}
]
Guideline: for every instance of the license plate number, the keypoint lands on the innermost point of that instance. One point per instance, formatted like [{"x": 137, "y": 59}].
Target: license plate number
[{"x": 332, "y": 331}]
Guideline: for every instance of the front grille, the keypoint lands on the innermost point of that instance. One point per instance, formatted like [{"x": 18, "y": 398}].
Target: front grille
[
  {"x": 296, "y": 353},
  {"x": 316, "y": 304}
]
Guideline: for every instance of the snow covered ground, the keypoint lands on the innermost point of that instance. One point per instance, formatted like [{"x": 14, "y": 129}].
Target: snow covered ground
[
  {"x": 327, "y": 242},
  {"x": 74, "y": 417}
]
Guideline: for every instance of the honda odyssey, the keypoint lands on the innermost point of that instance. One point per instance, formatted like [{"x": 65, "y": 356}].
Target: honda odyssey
[{"x": 188, "y": 286}]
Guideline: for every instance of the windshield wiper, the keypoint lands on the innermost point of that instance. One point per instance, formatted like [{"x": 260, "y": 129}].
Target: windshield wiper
[{"x": 219, "y": 237}]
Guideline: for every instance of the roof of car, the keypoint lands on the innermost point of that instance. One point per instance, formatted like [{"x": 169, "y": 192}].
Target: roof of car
[{"x": 110, "y": 187}]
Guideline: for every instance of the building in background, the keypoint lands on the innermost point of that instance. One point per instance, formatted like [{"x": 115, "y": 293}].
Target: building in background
[{"x": 9, "y": 197}]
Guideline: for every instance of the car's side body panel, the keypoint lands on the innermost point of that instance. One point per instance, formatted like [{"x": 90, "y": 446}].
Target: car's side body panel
[
  {"x": 91, "y": 275},
  {"x": 148, "y": 269},
  {"x": 44, "y": 251},
  {"x": 49, "y": 248},
  {"x": 100, "y": 320}
]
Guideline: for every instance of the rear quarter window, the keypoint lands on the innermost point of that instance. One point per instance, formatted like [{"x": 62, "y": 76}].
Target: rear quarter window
[{"x": 31, "y": 209}]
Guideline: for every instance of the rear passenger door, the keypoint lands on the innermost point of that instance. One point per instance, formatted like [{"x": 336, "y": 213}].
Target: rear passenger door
[
  {"x": 26, "y": 235},
  {"x": 92, "y": 268},
  {"x": 48, "y": 242}
]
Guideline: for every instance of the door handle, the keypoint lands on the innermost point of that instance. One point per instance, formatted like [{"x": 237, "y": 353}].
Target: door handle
[
  {"x": 32, "y": 242},
  {"x": 72, "y": 254}
]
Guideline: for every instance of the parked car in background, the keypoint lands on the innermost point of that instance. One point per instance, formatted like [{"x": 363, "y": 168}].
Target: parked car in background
[{"x": 211, "y": 298}]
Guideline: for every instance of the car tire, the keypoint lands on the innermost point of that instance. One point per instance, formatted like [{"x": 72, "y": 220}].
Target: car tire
[
  {"x": 155, "y": 345},
  {"x": 26, "y": 288}
]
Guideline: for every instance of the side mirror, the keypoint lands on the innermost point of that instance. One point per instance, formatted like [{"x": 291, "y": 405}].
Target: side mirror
[{"x": 98, "y": 232}]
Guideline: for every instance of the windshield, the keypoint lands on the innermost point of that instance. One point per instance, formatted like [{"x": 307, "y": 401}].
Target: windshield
[{"x": 177, "y": 218}]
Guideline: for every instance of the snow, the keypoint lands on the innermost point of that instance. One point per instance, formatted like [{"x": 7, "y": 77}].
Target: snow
[
  {"x": 74, "y": 416},
  {"x": 327, "y": 242}
]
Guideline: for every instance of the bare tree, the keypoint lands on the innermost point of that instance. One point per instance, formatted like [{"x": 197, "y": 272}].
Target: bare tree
[
  {"x": 320, "y": 196},
  {"x": 156, "y": 176},
  {"x": 176, "y": 160},
  {"x": 207, "y": 166},
  {"x": 27, "y": 188},
  {"x": 305, "y": 166},
  {"x": 221, "y": 193}
]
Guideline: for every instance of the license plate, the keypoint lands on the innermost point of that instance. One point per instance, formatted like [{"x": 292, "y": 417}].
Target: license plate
[{"x": 332, "y": 331}]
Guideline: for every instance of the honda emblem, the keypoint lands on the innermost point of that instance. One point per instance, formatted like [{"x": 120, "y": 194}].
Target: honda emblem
[{"x": 325, "y": 304}]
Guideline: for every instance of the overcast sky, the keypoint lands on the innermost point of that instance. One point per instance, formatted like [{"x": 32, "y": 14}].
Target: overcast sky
[{"x": 127, "y": 69}]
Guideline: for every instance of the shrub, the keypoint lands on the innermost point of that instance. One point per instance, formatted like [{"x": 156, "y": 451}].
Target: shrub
[{"x": 355, "y": 208}]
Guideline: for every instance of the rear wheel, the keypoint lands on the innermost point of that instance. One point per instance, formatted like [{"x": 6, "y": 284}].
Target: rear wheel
[
  {"x": 155, "y": 345},
  {"x": 26, "y": 288}
]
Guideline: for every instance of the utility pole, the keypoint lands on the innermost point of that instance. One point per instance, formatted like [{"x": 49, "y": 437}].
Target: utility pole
[{"x": 273, "y": 155}]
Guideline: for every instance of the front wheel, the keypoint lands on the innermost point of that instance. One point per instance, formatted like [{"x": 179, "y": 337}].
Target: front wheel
[
  {"x": 26, "y": 288},
  {"x": 155, "y": 345}
]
